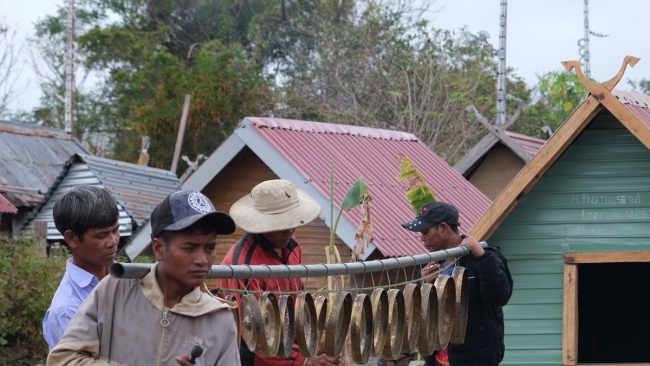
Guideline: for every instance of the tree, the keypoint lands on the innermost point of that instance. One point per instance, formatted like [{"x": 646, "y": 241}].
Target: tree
[
  {"x": 10, "y": 67},
  {"x": 146, "y": 60},
  {"x": 642, "y": 86},
  {"x": 377, "y": 71},
  {"x": 558, "y": 94}
]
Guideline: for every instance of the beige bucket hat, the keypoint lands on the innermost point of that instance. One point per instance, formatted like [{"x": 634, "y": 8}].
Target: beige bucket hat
[{"x": 274, "y": 205}]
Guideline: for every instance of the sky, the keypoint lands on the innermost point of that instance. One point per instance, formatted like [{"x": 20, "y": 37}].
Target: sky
[{"x": 540, "y": 34}]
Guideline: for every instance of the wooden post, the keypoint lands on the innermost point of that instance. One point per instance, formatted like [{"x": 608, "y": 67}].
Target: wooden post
[
  {"x": 570, "y": 316},
  {"x": 40, "y": 230},
  {"x": 181, "y": 132}
]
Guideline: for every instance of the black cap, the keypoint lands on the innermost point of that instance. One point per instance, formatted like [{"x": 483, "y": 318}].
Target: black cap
[
  {"x": 182, "y": 209},
  {"x": 433, "y": 213}
]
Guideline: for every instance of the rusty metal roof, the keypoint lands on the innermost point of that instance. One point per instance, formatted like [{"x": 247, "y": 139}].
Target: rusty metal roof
[
  {"x": 137, "y": 189},
  {"x": 6, "y": 206},
  {"x": 530, "y": 144},
  {"x": 372, "y": 154},
  {"x": 32, "y": 157}
]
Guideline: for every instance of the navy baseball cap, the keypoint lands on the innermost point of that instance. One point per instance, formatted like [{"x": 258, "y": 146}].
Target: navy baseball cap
[
  {"x": 433, "y": 213},
  {"x": 182, "y": 209}
]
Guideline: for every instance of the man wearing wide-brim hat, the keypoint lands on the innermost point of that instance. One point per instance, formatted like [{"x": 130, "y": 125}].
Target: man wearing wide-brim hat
[{"x": 270, "y": 215}]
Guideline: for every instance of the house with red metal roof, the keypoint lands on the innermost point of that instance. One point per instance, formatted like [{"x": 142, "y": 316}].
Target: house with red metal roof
[
  {"x": 302, "y": 152},
  {"x": 495, "y": 160}
]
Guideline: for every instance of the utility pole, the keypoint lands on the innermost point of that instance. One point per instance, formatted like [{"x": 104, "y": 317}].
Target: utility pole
[
  {"x": 69, "y": 67},
  {"x": 501, "y": 55},
  {"x": 583, "y": 43}
]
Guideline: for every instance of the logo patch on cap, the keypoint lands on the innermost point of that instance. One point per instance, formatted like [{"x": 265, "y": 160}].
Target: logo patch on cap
[{"x": 198, "y": 202}]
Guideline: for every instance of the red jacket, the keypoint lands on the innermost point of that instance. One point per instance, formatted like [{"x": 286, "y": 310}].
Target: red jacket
[{"x": 254, "y": 249}]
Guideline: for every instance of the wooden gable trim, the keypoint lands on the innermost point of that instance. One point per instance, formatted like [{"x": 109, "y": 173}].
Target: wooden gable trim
[
  {"x": 536, "y": 168},
  {"x": 475, "y": 153},
  {"x": 600, "y": 97}
]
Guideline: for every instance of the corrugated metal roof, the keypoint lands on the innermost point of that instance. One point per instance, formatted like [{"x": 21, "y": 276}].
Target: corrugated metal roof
[
  {"x": 139, "y": 189},
  {"x": 6, "y": 206},
  {"x": 74, "y": 174},
  {"x": 372, "y": 154},
  {"x": 639, "y": 104},
  {"x": 136, "y": 188},
  {"x": 32, "y": 156},
  {"x": 530, "y": 144}
]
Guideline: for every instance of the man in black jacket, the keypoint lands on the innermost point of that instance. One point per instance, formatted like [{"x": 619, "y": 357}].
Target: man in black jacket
[{"x": 489, "y": 281}]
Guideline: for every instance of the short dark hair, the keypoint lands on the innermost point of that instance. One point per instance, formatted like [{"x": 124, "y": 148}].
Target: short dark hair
[
  {"x": 204, "y": 226},
  {"x": 85, "y": 207},
  {"x": 453, "y": 227}
]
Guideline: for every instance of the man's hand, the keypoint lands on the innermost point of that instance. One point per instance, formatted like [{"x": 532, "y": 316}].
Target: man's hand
[
  {"x": 184, "y": 360},
  {"x": 473, "y": 246},
  {"x": 321, "y": 360},
  {"x": 427, "y": 270}
]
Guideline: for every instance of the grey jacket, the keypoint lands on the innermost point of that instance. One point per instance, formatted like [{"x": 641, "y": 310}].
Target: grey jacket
[{"x": 122, "y": 322}]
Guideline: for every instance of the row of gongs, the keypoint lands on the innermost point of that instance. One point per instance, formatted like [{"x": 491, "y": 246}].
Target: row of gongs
[{"x": 386, "y": 323}]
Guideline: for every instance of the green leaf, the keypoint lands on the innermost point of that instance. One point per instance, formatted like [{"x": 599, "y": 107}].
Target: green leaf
[
  {"x": 354, "y": 197},
  {"x": 418, "y": 192}
]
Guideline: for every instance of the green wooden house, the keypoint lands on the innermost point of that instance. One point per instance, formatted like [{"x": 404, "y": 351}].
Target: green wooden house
[{"x": 575, "y": 227}]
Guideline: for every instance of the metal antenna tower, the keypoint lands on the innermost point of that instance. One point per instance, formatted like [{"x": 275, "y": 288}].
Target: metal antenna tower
[
  {"x": 501, "y": 55},
  {"x": 69, "y": 67},
  {"x": 583, "y": 43}
]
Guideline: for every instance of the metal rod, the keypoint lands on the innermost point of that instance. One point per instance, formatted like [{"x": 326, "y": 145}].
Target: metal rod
[
  {"x": 139, "y": 270},
  {"x": 69, "y": 67},
  {"x": 501, "y": 55},
  {"x": 586, "y": 55}
]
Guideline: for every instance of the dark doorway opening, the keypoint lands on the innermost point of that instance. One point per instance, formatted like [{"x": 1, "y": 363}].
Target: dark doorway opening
[{"x": 614, "y": 313}]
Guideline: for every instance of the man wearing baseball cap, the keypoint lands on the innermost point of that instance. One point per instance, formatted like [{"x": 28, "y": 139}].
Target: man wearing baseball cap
[
  {"x": 489, "y": 281},
  {"x": 168, "y": 315}
]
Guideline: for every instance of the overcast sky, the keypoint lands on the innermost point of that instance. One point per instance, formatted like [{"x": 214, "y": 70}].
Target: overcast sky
[{"x": 541, "y": 33}]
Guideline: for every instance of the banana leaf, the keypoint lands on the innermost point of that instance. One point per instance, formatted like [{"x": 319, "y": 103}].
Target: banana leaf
[{"x": 417, "y": 192}]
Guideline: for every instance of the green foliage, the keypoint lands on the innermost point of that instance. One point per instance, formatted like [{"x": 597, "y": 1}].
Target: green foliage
[
  {"x": 642, "y": 86},
  {"x": 355, "y": 195},
  {"x": 560, "y": 93},
  {"x": 27, "y": 285},
  {"x": 148, "y": 58},
  {"x": 418, "y": 192}
]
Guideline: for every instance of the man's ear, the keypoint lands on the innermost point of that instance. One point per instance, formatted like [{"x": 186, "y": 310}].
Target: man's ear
[
  {"x": 445, "y": 228},
  {"x": 158, "y": 247},
  {"x": 71, "y": 238}
]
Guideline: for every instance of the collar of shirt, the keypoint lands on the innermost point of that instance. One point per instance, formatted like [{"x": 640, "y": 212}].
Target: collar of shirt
[{"x": 79, "y": 276}]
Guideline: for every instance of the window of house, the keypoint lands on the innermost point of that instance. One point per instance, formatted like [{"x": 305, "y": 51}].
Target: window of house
[{"x": 606, "y": 308}]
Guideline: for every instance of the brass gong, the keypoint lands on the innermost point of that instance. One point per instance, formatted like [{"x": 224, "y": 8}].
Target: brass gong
[
  {"x": 287, "y": 325},
  {"x": 306, "y": 331},
  {"x": 462, "y": 302},
  {"x": 321, "y": 317},
  {"x": 235, "y": 314},
  {"x": 393, "y": 344},
  {"x": 272, "y": 325},
  {"x": 428, "y": 336},
  {"x": 361, "y": 330},
  {"x": 251, "y": 322},
  {"x": 379, "y": 301},
  {"x": 413, "y": 303},
  {"x": 446, "y": 309},
  {"x": 338, "y": 323}
]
